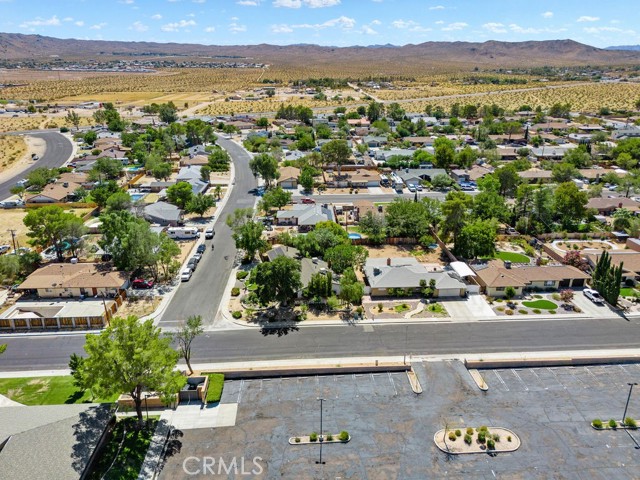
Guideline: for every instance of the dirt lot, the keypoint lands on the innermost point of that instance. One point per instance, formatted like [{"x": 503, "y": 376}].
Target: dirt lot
[
  {"x": 12, "y": 150},
  {"x": 138, "y": 306},
  {"x": 391, "y": 251}
]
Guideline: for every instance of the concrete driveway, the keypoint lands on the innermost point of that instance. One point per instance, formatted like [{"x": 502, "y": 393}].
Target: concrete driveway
[
  {"x": 590, "y": 308},
  {"x": 468, "y": 309}
]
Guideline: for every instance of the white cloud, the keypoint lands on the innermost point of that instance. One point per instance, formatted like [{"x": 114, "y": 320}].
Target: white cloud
[
  {"x": 248, "y": 3},
  {"x": 282, "y": 28},
  {"x": 236, "y": 27},
  {"x": 366, "y": 29},
  {"x": 98, "y": 26},
  {"x": 138, "y": 27},
  {"x": 587, "y": 18},
  {"x": 455, "y": 26},
  {"x": 128, "y": 2},
  {"x": 409, "y": 25},
  {"x": 437, "y": 7},
  {"x": 494, "y": 27},
  {"x": 376, "y": 22},
  {"x": 307, "y": 3},
  {"x": 79, "y": 23},
  {"x": 157, "y": 16},
  {"x": 547, "y": 14},
  {"x": 597, "y": 30},
  {"x": 439, "y": 22},
  {"x": 41, "y": 22},
  {"x": 199, "y": 1},
  {"x": 341, "y": 22},
  {"x": 176, "y": 26},
  {"x": 67, "y": 19},
  {"x": 210, "y": 29}
]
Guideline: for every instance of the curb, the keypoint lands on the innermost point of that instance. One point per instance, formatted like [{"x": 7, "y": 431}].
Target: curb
[
  {"x": 516, "y": 444},
  {"x": 477, "y": 377},
  {"x": 304, "y": 440}
]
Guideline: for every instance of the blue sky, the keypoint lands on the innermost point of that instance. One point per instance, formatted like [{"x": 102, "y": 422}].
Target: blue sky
[{"x": 326, "y": 22}]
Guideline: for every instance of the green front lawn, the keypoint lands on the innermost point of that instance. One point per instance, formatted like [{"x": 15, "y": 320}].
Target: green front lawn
[
  {"x": 513, "y": 257},
  {"x": 541, "y": 304},
  {"x": 129, "y": 457},
  {"x": 628, "y": 292},
  {"x": 47, "y": 391},
  {"x": 403, "y": 307}
]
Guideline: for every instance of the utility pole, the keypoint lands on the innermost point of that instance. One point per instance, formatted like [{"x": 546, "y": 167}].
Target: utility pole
[
  {"x": 321, "y": 439},
  {"x": 13, "y": 238},
  {"x": 624, "y": 415}
]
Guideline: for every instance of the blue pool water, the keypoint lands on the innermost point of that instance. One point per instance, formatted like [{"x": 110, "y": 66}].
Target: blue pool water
[
  {"x": 137, "y": 196},
  {"x": 355, "y": 236}
]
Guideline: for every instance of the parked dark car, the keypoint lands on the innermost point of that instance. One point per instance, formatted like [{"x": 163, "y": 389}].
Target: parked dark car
[
  {"x": 201, "y": 248},
  {"x": 142, "y": 283}
]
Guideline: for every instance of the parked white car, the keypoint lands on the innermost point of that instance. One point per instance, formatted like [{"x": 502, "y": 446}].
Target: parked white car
[
  {"x": 4, "y": 248},
  {"x": 594, "y": 296},
  {"x": 185, "y": 276}
]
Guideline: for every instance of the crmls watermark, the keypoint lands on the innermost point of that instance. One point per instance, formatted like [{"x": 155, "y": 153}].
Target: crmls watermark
[{"x": 220, "y": 466}]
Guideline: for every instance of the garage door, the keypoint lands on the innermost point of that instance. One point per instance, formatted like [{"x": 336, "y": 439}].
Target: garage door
[{"x": 449, "y": 292}]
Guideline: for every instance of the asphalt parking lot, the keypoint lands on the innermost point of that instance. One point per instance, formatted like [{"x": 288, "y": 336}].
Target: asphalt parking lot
[{"x": 392, "y": 428}]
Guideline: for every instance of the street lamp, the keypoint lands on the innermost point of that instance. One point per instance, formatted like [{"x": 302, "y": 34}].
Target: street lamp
[
  {"x": 321, "y": 439},
  {"x": 624, "y": 415}
]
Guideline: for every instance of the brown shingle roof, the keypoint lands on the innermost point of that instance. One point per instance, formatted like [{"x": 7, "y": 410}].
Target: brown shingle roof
[
  {"x": 496, "y": 275},
  {"x": 69, "y": 275},
  {"x": 630, "y": 260}
]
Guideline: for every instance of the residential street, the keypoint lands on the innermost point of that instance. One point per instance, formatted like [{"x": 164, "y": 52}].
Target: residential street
[
  {"x": 202, "y": 294},
  {"x": 58, "y": 151},
  {"x": 53, "y": 351}
]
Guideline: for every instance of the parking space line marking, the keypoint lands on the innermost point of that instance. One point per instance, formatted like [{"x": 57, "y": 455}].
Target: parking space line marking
[
  {"x": 590, "y": 372},
  {"x": 393, "y": 384},
  {"x": 584, "y": 385},
  {"x": 623, "y": 369},
  {"x": 556, "y": 377},
  {"x": 526, "y": 389},
  {"x": 501, "y": 380},
  {"x": 240, "y": 391},
  {"x": 533, "y": 370}
]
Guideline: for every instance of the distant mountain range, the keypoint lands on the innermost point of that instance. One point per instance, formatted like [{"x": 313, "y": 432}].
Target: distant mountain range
[
  {"x": 488, "y": 54},
  {"x": 629, "y": 48}
]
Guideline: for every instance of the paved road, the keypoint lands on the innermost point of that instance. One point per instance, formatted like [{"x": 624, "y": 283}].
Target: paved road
[
  {"x": 203, "y": 293},
  {"x": 58, "y": 151},
  {"x": 44, "y": 352}
]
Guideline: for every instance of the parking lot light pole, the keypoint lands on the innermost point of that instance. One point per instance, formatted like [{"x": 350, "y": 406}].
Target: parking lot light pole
[
  {"x": 624, "y": 415},
  {"x": 321, "y": 439}
]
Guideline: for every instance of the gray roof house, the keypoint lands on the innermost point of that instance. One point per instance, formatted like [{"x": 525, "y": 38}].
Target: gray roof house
[
  {"x": 305, "y": 216},
  {"x": 413, "y": 176},
  {"x": 406, "y": 272},
  {"x": 52, "y": 441},
  {"x": 162, "y": 213}
]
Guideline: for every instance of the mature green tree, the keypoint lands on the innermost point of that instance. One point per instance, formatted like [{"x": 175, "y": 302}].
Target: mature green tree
[
  {"x": 445, "y": 152},
  {"x": 105, "y": 168},
  {"x": 335, "y": 152},
  {"x": 351, "y": 291},
  {"x": 17, "y": 190},
  {"x": 131, "y": 357},
  {"x": 564, "y": 172},
  {"x": 266, "y": 166},
  {"x": 219, "y": 160},
  {"x": 168, "y": 113},
  {"x": 622, "y": 219},
  {"x": 466, "y": 157},
  {"x": 305, "y": 143},
  {"x": 442, "y": 181},
  {"x": 90, "y": 137},
  {"x": 323, "y": 131},
  {"x": 159, "y": 169},
  {"x": 488, "y": 205},
  {"x": 278, "y": 280},
  {"x": 40, "y": 177},
  {"x": 406, "y": 218},
  {"x": 578, "y": 157},
  {"x": 630, "y": 183},
  {"x": 247, "y": 233},
  {"x": 395, "y": 111},
  {"x": 73, "y": 118},
  {"x": 109, "y": 116},
  {"x": 275, "y": 198},
  {"x": 509, "y": 180},
  {"x": 607, "y": 278},
  {"x": 306, "y": 179},
  {"x": 570, "y": 204},
  {"x": 263, "y": 122},
  {"x": 455, "y": 211},
  {"x": 200, "y": 203},
  {"x": 49, "y": 225},
  {"x": 101, "y": 193},
  {"x": 187, "y": 332},
  {"x": 119, "y": 200},
  {"x": 476, "y": 239},
  {"x": 374, "y": 227},
  {"x": 375, "y": 111},
  {"x": 129, "y": 240},
  {"x": 344, "y": 256},
  {"x": 180, "y": 194}
]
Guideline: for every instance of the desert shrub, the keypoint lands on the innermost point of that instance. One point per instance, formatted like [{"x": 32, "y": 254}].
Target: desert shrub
[
  {"x": 500, "y": 309},
  {"x": 496, "y": 437},
  {"x": 241, "y": 274},
  {"x": 555, "y": 296},
  {"x": 537, "y": 296},
  {"x": 380, "y": 307},
  {"x": 552, "y": 312},
  {"x": 469, "y": 431},
  {"x": 344, "y": 436},
  {"x": 508, "y": 311},
  {"x": 490, "y": 300},
  {"x": 508, "y": 438},
  {"x": 235, "y": 291},
  {"x": 483, "y": 428},
  {"x": 536, "y": 310},
  {"x": 577, "y": 309},
  {"x": 313, "y": 437},
  {"x": 613, "y": 423},
  {"x": 499, "y": 300},
  {"x": 329, "y": 437},
  {"x": 458, "y": 433},
  {"x": 597, "y": 423},
  {"x": 467, "y": 439},
  {"x": 482, "y": 437},
  {"x": 522, "y": 311},
  {"x": 297, "y": 439},
  {"x": 630, "y": 423},
  {"x": 491, "y": 445},
  {"x": 452, "y": 436},
  {"x": 237, "y": 314}
]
